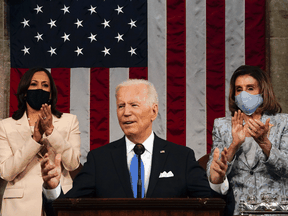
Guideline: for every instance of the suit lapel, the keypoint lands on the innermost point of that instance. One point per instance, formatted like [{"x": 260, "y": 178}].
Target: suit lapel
[
  {"x": 119, "y": 157},
  {"x": 23, "y": 128},
  {"x": 159, "y": 157}
]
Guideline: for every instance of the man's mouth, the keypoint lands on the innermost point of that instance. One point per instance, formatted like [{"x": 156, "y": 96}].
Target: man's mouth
[{"x": 128, "y": 122}]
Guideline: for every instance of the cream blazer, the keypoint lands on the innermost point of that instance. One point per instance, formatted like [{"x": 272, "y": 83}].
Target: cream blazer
[{"x": 20, "y": 165}]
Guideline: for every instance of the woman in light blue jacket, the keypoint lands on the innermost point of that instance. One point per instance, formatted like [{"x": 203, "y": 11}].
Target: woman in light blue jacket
[{"x": 256, "y": 136}]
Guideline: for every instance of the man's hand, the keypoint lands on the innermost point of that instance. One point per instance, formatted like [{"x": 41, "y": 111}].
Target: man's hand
[
  {"x": 51, "y": 173},
  {"x": 218, "y": 167}
]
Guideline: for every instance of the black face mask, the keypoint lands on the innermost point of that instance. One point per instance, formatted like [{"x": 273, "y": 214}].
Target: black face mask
[{"x": 35, "y": 98}]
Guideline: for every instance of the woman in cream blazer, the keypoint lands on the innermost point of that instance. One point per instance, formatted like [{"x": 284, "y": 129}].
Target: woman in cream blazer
[{"x": 34, "y": 129}]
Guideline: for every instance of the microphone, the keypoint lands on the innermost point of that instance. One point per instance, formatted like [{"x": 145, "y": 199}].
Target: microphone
[{"x": 139, "y": 150}]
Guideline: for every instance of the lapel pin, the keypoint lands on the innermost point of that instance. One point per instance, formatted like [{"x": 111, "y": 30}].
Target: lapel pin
[{"x": 162, "y": 151}]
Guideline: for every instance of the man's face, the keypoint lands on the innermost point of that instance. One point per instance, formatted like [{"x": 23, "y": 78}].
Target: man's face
[{"x": 135, "y": 115}]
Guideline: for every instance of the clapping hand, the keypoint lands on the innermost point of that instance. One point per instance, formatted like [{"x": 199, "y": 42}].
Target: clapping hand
[
  {"x": 38, "y": 131},
  {"x": 46, "y": 119},
  {"x": 51, "y": 172},
  {"x": 259, "y": 131},
  {"x": 218, "y": 166},
  {"x": 238, "y": 129}
]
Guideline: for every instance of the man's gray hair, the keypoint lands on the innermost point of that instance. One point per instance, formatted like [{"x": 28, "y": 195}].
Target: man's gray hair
[{"x": 152, "y": 93}]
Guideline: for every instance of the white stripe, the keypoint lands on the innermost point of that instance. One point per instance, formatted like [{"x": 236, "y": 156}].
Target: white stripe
[
  {"x": 117, "y": 75},
  {"x": 196, "y": 76},
  {"x": 157, "y": 60},
  {"x": 80, "y": 105},
  {"x": 234, "y": 41}
]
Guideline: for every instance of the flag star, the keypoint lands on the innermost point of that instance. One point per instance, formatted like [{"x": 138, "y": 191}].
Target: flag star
[
  {"x": 66, "y": 9},
  {"x": 26, "y": 50},
  {"x": 52, "y": 23},
  {"x": 92, "y": 10},
  {"x": 106, "y": 23},
  {"x": 78, "y": 51},
  {"x": 119, "y": 9},
  {"x": 132, "y": 23},
  {"x": 38, "y": 36},
  {"x": 79, "y": 23},
  {"x": 92, "y": 37},
  {"x": 38, "y": 9},
  {"x": 52, "y": 51},
  {"x": 119, "y": 37},
  {"x": 132, "y": 51},
  {"x": 25, "y": 23},
  {"x": 66, "y": 37},
  {"x": 106, "y": 51}
]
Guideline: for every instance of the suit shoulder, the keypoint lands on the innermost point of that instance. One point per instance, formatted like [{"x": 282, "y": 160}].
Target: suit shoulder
[
  {"x": 176, "y": 147},
  {"x": 8, "y": 122},
  {"x": 222, "y": 120},
  {"x": 107, "y": 147},
  {"x": 67, "y": 116}
]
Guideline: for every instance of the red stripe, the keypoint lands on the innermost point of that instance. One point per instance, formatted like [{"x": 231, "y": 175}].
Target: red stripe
[
  {"x": 176, "y": 72},
  {"x": 99, "y": 107},
  {"x": 15, "y": 76},
  {"x": 215, "y": 81},
  {"x": 255, "y": 33},
  {"x": 61, "y": 77},
  {"x": 138, "y": 73}
]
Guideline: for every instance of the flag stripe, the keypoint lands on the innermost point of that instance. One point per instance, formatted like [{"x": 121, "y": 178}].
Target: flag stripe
[
  {"x": 157, "y": 60},
  {"x": 80, "y": 105},
  {"x": 15, "y": 76},
  {"x": 138, "y": 73},
  {"x": 117, "y": 75},
  {"x": 234, "y": 41},
  {"x": 215, "y": 64},
  {"x": 255, "y": 32},
  {"x": 196, "y": 76},
  {"x": 99, "y": 107},
  {"x": 61, "y": 77},
  {"x": 176, "y": 72}
]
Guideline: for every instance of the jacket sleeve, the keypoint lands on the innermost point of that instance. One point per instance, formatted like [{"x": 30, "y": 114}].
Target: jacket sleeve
[
  {"x": 13, "y": 163},
  {"x": 277, "y": 162},
  {"x": 68, "y": 146}
]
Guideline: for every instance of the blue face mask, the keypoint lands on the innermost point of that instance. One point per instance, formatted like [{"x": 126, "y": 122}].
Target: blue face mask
[{"x": 248, "y": 103}]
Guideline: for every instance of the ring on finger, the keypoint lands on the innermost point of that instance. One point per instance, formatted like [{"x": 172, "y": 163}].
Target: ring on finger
[{"x": 44, "y": 117}]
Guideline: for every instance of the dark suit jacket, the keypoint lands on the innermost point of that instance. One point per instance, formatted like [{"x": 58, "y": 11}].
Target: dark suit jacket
[{"x": 106, "y": 175}]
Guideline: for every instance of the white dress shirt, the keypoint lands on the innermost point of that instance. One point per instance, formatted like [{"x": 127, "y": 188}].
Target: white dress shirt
[{"x": 146, "y": 157}]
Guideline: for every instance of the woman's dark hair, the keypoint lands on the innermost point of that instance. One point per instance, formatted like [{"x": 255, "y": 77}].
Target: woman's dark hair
[
  {"x": 270, "y": 104},
  {"x": 22, "y": 91}
]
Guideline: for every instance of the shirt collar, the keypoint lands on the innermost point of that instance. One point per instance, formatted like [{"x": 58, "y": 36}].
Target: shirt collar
[{"x": 148, "y": 144}]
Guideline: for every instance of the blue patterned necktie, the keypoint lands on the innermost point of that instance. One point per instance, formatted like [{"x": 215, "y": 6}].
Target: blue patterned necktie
[{"x": 134, "y": 175}]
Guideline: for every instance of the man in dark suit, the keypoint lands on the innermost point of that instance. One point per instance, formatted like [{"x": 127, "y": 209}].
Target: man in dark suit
[{"x": 170, "y": 170}]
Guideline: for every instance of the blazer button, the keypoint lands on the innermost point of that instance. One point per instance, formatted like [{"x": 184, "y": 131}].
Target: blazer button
[{"x": 251, "y": 172}]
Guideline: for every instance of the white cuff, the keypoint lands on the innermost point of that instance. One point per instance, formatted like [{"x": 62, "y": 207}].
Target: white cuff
[
  {"x": 52, "y": 194},
  {"x": 220, "y": 188}
]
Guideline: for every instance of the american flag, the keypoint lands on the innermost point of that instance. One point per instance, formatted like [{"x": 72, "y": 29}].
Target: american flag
[{"x": 188, "y": 49}]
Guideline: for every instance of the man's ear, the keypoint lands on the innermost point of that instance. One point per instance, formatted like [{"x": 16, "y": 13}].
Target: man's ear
[{"x": 154, "y": 111}]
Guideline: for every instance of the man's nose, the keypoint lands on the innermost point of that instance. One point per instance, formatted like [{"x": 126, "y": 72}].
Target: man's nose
[{"x": 127, "y": 111}]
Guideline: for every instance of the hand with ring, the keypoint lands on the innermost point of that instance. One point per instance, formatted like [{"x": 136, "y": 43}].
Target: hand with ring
[
  {"x": 259, "y": 131},
  {"x": 46, "y": 119}
]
